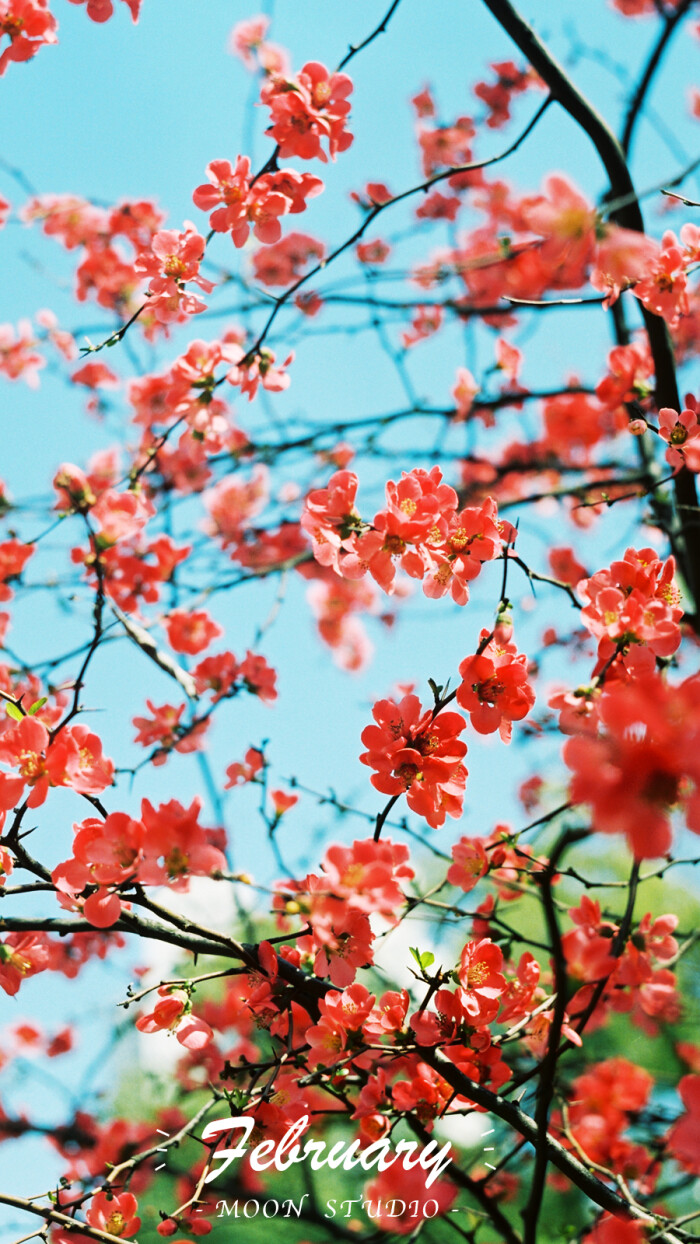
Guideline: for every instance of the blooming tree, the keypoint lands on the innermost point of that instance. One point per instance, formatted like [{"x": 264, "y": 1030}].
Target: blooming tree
[{"x": 405, "y": 964}]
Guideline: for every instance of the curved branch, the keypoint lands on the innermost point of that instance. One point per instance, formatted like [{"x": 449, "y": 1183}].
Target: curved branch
[
  {"x": 634, "y": 108},
  {"x": 379, "y": 30}
]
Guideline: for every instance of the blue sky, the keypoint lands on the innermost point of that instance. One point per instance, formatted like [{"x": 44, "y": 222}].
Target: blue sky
[{"x": 117, "y": 111}]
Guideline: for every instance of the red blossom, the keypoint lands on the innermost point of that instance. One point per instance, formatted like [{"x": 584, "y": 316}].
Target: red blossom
[{"x": 416, "y": 751}]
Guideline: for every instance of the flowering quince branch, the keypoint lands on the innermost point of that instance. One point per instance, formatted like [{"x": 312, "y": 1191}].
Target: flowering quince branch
[
  {"x": 115, "y": 337},
  {"x": 148, "y": 645}
]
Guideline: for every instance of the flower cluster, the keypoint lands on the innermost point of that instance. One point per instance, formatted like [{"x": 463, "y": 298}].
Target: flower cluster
[
  {"x": 308, "y": 110},
  {"x": 642, "y": 763},
  {"x": 71, "y": 757},
  {"x": 421, "y": 529},
  {"x": 166, "y": 846},
  {"x": 635, "y": 601},
  {"x": 495, "y": 690},
  {"x": 239, "y": 203},
  {"x": 355, "y": 882},
  {"x": 172, "y": 261},
  {"x": 28, "y": 25},
  {"x": 417, "y": 751}
]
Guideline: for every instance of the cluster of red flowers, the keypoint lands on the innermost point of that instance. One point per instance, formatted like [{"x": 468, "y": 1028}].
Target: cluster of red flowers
[
  {"x": 681, "y": 431},
  {"x": 220, "y": 675},
  {"x": 166, "y": 846},
  {"x": 308, "y": 110},
  {"x": 417, "y": 751},
  {"x": 495, "y": 690},
  {"x": 421, "y": 528},
  {"x": 643, "y": 761},
  {"x": 239, "y": 203},
  {"x": 497, "y": 96},
  {"x": 172, "y": 262},
  {"x": 635, "y": 601},
  {"x": 284, "y": 261},
  {"x": 18, "y": 354},
  {"x": 638, "y": 981},
  {"x": 28, "y": 25},
  {"x": 603, "y": 1101},
  {"x": 106, "y": 272},
  {"x": 355, "y": 882},
  {"x": 70, "y": 757}
]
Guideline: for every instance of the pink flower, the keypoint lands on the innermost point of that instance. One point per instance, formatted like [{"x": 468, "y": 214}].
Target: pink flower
[
  {"x": 247, "y": 771},
  {"x": 567, "y": 222},
  {"x": 636, "y": 600},
  {"x": 417, "y": 752},
  {"x": 285, "y": 261},
  {"x": 331, "y": 519},
  {"x": 464, "y": 392},
  {"x": 495, "y": 688},
  {"x": 249, "y": 373},
  {"x": 242, "y": 207},
  {"x": 282, "y": 802},
  {"x": 678, "y": 430},
  {"x": 28, "y": 25},
  {"x": 175, "y": 846},
  {"x": 306, "y": 111},
  {"x": 95, "y": 376},
  {"x": 173, "y": 1013},
  {"x": 191, "y": 631},
  {"x": 663, "y": 290},
  {"x": 621, "y": 259},
  {"x": 18, "y": 357},
  {"x": 246, "y": 37},
  {"x": 114, "y": 1213},
  {"x": 643, "y": 763},
  {"x": 120, "y": 516},
  {"x": 174, "y": 260},
  {"x": 373, "y": 253},
  {"x": 22, "y": 955},
  {"x": 481, "y": 980},
  {"x": 470, "y": 864}
]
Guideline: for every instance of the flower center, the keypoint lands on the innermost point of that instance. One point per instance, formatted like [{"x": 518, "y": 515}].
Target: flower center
[
  {"x": 408, "y": 774},
  {"x": 394, "y": 545},
  {"x": 174, "y": 267},
  {"x": 11, "y": 26},
  {"x": 116, "y": 1223},
  {"x": 476, "y": 975},
  {"x": 177, "y": 862}
]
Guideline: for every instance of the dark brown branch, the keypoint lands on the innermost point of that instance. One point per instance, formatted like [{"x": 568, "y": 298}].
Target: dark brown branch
[
  {"x": 548, "y": 1067},
  {"x": 379, "y": 30}
]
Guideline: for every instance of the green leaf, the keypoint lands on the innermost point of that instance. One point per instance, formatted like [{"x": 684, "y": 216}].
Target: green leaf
[
  {"x": 34, "y": 708},
  {"x": 436, "y": 689},
  {"x": 424, "y": 959},
  {"x": 14, "y": 712}
]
